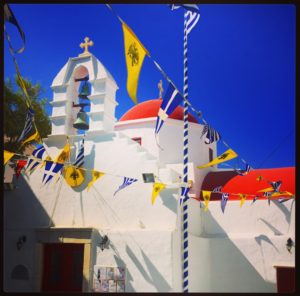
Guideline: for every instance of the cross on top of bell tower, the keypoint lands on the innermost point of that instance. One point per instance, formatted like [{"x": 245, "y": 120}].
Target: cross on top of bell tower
[{"x": 85, "y": 45}]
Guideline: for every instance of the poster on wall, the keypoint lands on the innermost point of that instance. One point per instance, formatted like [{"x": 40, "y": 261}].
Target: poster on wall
[{"x": 109, "y": 279}]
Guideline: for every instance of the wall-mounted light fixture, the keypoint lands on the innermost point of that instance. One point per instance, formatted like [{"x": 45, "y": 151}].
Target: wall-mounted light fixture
[
  {"x": 21, "y": 240},
  {"x": 148, "y": 178},
  {"x": 103, "y": 242},
  {"x": 289, "y": 245}
]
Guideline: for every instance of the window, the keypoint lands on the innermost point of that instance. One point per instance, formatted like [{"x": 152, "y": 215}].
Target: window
[
  {"x": 138, "y": 140},
  {"x": 210, "y": 154},
  {"x": 148, "y": 178}
]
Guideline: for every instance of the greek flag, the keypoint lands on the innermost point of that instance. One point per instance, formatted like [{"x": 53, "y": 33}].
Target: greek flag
[
  {"x": 39, "y": 152},
  {"x": 247, "y": 170},
  {"x": 126, "y": 182},
  {"x": 217, "y": 189},
  {"x": 255, "y": 199},
  {"x": 28, "y": 124},
  {"x": 51, "y": 169},
  {"x": 224, "y": 201},
  {"x": 171, "y": 100},
  {"x": 192, "y": 14},
  {"x": 31, "y": 164},
  {"x": 276, "y": 185},
  {"x": 80, "y": 157},
  {"x": 211, "y": 134}
]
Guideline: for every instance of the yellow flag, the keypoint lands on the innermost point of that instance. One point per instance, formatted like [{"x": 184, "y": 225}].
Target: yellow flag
[
  {"x": 243, "y": 198},
  {"x": 266, "y": 189},
  {"x": 227, "y": 155},
  {"x": 48, "y": 158},
  {"x": 35, "y": 137},
  {"x": 282, "y": 193},
  {"x": 134, "y": 54},
  {"x": 64, "y": 154},
  {"x": 7, "y": 156},
  {"x": 95, "y": 175},
  {"x": 206, "y": 197},
  {"x": 157, "y": 187}
]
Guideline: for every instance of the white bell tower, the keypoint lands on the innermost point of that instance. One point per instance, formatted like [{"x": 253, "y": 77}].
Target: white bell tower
[{"x": 65, "y": 93}]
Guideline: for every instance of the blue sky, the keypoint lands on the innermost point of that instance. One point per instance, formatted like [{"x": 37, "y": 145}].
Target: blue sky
[{"x": 241, "y": 63}]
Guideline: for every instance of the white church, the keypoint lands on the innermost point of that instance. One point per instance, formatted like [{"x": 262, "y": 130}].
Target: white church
[{"x": 66, "y": 238}]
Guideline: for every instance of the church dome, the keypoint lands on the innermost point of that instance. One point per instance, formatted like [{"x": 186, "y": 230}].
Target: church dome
[{"x": 150, "y": 109}]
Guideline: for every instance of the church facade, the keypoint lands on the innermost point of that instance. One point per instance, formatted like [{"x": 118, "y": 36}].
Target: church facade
[{"x": 63, "y": 238}]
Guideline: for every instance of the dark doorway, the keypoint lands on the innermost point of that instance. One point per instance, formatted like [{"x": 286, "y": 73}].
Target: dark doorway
[
  {"x": 285, "y": 279},
  {"x": 63, "y": 267}
]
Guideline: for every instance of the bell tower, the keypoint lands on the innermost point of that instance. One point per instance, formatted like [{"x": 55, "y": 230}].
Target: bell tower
[{"x": 99, "y": 111}]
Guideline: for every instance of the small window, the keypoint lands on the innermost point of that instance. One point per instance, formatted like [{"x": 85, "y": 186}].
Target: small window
[
  {"x": 138, "y": 140},
  {"x": 211, "y": 154},
  {"x": 148, "y": 178}
]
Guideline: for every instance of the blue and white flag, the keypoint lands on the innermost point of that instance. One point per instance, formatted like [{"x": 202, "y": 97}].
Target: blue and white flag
[
  {"x": 192, "y": 14},
  {"x": 171, "y": 100},
  {"x": 126, "y": 182},
  {"x": 217, "y": 189},
  {"x": 80, "y": 157},
  {"x": 245, "y": 172},
  {"x": 39, "y": 152},
  {"x": 51, "y": 169},
  {"x": 276, "y": 185},
  {"x": 268, "y": 194},
  {"x": 224, "y": 201},
  {"x": 184, "y": 194},
  {"x": 211, "y": 134},
  {"x": 255, "y": 199},
  {"x": 31, "y": 165},
  {"x": 28, "y": 124}
]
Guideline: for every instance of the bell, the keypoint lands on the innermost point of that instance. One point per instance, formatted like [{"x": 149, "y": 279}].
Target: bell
[
  {"x": 84, "y": 90},
  {"x": 81, "y": 122}
]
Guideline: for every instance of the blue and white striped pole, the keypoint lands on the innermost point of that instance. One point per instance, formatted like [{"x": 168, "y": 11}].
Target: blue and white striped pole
[{"x": 184, "y": 188}]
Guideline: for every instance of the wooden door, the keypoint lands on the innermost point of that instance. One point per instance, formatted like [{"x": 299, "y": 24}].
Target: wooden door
[
  {"x": 63, "y": 267},
  {"x": 285, "y": 279}
]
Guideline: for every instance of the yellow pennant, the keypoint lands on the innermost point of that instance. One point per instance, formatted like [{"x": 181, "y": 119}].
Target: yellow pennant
[
  {"x": 259, "y": 178},
  {"x": 282, "y": 193},
  {"x": 48, "y": 158},
  {"x": 206, "y": 196},
  {"x": 134, "y": 54},
  {"x": 243, "y": 198},
  {"x": 266, "y": 189},
  {"x": 95, "y": 176},
  {"x": 64, "y": 154},
  {"x": 227, "y": 155},
  {"x": 157, "y": 188},
  {"x": 35, "y": 137},
  {"x": 7, "y": 156}
]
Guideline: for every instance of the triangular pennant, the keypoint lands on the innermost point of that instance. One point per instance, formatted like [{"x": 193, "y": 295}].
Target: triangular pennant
[
  {"x": 95, "y": 176},
  {"x": 243, "y": 198},
  {"x": 20, "y": 165},
  {"x": 51, "y": 169},
  {"x": 64, "y": 154},
  {"x": 7, "y": 156},
  {"x": 227, "y": 155},
  {"x": 206, "y": 196},
  {"x": 157, "y": 187},
  {"x": 126, "y": 182},
  {"x": 224, "y": 201}
]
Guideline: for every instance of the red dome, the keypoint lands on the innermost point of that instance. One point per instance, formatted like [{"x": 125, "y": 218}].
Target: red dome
[
  {"x": 150, "y": 109},
  {"x": 234, "y": 183}
]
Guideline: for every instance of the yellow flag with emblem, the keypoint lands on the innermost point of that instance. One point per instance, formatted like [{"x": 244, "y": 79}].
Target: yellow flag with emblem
[
  {"x": 7, "y": 156},
  {"x": 35, "y": 137},
  {"x": 64, "y": 154},
  {"x": 134, "y": 55},
  {"x": 157, "y": 188},
  {"x": 227, "y": 155},
  {"x": 95, "y": 176},
  {"x": 206, "y": 196},
  {"x": 243, "y": 198}
]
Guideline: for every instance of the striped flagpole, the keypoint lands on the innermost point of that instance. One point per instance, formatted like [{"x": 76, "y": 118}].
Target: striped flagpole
[{"x": 184, "y": 189}]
